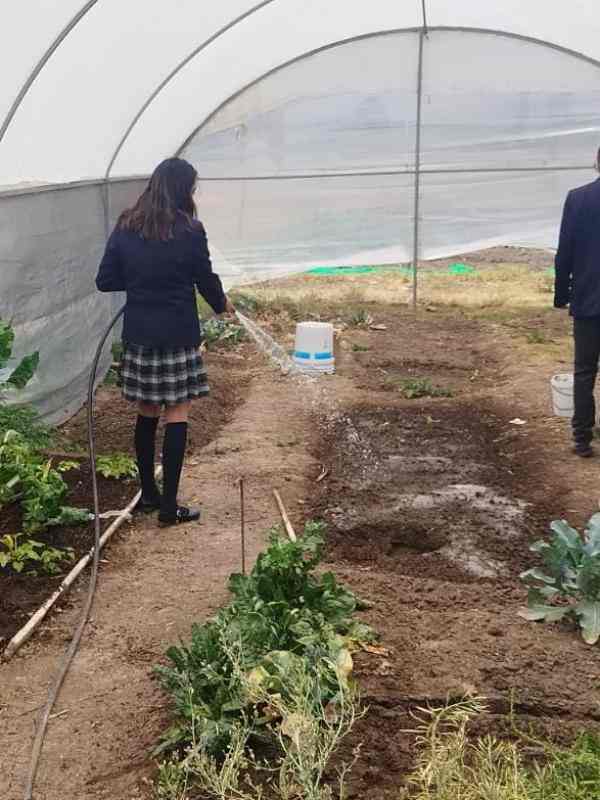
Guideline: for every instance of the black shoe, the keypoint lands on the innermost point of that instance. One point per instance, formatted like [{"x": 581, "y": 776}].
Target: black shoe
[
  {"x": 181, "y": 516},
  {"x": 144, "y": 506},
  {"x": 584, "y": 450}
]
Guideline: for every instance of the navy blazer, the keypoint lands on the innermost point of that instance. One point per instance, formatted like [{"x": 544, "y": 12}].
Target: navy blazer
[
  {"x": 578, "y": 257},
  {"x": 160, "y": 279}
]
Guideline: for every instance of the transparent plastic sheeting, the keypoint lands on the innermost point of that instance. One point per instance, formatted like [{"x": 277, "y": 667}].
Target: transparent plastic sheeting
[
  {"x": 267, "y": 229},
  {"x": 489, "y": 103},
  {"x": 311, "y": 164},
  {"x": 50, "y": 245},
  {"x": 114, "y": 59}
]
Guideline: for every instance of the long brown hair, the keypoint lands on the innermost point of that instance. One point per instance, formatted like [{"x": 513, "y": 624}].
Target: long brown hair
[{"x": 167, "y": 200}]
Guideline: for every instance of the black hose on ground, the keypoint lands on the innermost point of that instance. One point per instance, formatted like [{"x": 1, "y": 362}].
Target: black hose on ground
[{"x": 67, "y": 659}]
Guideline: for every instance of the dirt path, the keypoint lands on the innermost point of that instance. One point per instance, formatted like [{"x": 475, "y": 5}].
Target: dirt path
[{"x": 158, "y": 584}]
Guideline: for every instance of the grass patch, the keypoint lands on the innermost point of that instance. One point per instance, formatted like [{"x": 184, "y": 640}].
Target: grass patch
[
  {"x": 360, "y": 348},
  {"x": 451, "y": 765},
  {"x": 359, "y": 318},
  {"x": 414, "y": 388},
  {"x": 538, "y": 337}
]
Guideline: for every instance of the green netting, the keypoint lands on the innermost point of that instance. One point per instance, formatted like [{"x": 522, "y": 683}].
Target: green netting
[
  {"x": 460, "y": 269},
  {"x": 340, "y": 270},
  {"x": 453, "y": 269}
]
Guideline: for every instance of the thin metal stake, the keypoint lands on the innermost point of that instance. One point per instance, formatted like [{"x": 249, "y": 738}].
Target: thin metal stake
[
  {"x": 416, "y": 232},
  {"x": 243, "y": 526}
]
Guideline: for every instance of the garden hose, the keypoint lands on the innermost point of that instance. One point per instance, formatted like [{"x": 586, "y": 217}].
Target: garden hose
[{"x": 67, "y": 659}]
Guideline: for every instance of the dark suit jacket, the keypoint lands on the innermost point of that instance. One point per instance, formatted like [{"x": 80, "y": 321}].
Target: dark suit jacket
[
  {"x": 578, "y": 257},
  {"x": 160, "y": 280}
]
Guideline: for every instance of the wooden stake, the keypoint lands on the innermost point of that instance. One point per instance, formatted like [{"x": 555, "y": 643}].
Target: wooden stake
[{"x": 284, "y": 516}]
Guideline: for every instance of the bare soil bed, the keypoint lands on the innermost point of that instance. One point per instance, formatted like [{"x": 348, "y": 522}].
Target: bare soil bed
[{"x": 432, "y": 505}]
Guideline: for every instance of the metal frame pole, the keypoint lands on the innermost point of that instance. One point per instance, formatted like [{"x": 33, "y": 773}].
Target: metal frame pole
[
  {"x": 106, "y": 207},
  {"x": 417, "y": 205}
]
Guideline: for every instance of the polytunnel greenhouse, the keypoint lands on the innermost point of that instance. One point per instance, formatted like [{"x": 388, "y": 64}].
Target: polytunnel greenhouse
[
  {"x": 324, "y": 133},
  {"x": 320, "y": 523}
]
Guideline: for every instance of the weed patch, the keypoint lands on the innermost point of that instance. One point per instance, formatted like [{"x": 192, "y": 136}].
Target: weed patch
[
  {"x": 273, "y": 661},
  {"x": 220, "y": 332},
  {"x": 537, "y": 337},
  {"x": 414, "y": 388},
  {"x": 451, "y": 765}
]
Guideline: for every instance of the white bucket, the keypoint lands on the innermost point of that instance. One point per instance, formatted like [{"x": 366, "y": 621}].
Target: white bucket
[
  {"x": 562, "y": 394},
  {"x": 313, "y": 351}
]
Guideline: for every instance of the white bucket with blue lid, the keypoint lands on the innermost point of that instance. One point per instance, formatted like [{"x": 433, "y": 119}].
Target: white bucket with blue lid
[{"x": 313, "y": 351}]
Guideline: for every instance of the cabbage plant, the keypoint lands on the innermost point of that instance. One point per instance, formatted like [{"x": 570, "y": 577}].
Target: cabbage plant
[{"x": 568, "y": 584}]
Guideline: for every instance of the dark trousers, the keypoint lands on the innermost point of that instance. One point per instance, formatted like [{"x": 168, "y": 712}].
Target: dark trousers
[{"x": 587, "y": 354}]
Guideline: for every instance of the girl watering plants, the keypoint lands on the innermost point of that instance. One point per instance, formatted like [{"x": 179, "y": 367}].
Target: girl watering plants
[{"x": 158, "y": 255}]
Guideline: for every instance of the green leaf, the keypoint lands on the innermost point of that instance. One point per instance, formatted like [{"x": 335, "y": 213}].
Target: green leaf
[
  {"x": 592, "y": 536},
  {"x": 539, "y": 546},
  {"x": 589, "y": 620},
  {"x": 25, "y": 371},
  {"x": 541, "y": 595},
  {"x": 567, "y": 535},
  {"x": 116, "y": 465},
  {"x": 536, "y": 575},
  {"x": 546, "y": 613},
  {"x": 588, "y": 578},
  {"x": 7, "y": 338}
]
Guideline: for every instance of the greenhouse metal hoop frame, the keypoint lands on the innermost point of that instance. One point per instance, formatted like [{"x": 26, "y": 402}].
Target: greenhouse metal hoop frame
[{"x": 417, "y": 171}]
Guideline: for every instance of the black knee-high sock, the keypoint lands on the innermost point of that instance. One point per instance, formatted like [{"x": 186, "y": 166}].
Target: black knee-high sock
[
  {"x": 145, "y": 438},
  {"x": 173, "y": 455}
]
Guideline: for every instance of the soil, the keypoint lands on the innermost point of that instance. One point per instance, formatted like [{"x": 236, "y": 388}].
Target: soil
[
  {"x": 21, "y": 595},
  {"x": 431, "y": 503},
  {"x": 434, "y": 534}
]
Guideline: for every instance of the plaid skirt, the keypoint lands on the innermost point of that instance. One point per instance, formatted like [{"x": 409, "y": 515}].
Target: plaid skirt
[{"x": 166, "y": 377}]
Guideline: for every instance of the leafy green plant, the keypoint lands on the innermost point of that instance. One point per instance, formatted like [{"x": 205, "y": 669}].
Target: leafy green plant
[
  {"x": 25, "y": 421},
  {"x": 569, "y": 582},
  {"x": 282, "y": 611},
  {"x": 414, "y": 388},
  {"x": 38, "y": 486},
  {"x": 223, "y": 332},
  {"x": 302, "y": 735},
  {"x": 360, "y": 318},
  {"x": 116, "y": 465},
  {"x": 247, "y": 303},
  {"x": 14, "y": 375},
  {"x": 18, "y": 555},
  {"x": 67, "y": 466},
  {"x": 537, "y": 337},
  {"x": 360, "y": 348}
]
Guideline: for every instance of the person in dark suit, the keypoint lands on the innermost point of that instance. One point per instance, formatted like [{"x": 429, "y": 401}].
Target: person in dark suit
[
  {"x": 158, "y": 255},
  {"x": 577, "y": 285}
]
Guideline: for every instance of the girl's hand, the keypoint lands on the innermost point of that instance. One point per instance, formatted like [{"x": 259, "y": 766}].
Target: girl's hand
[{"x": 229, "y": 307}]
